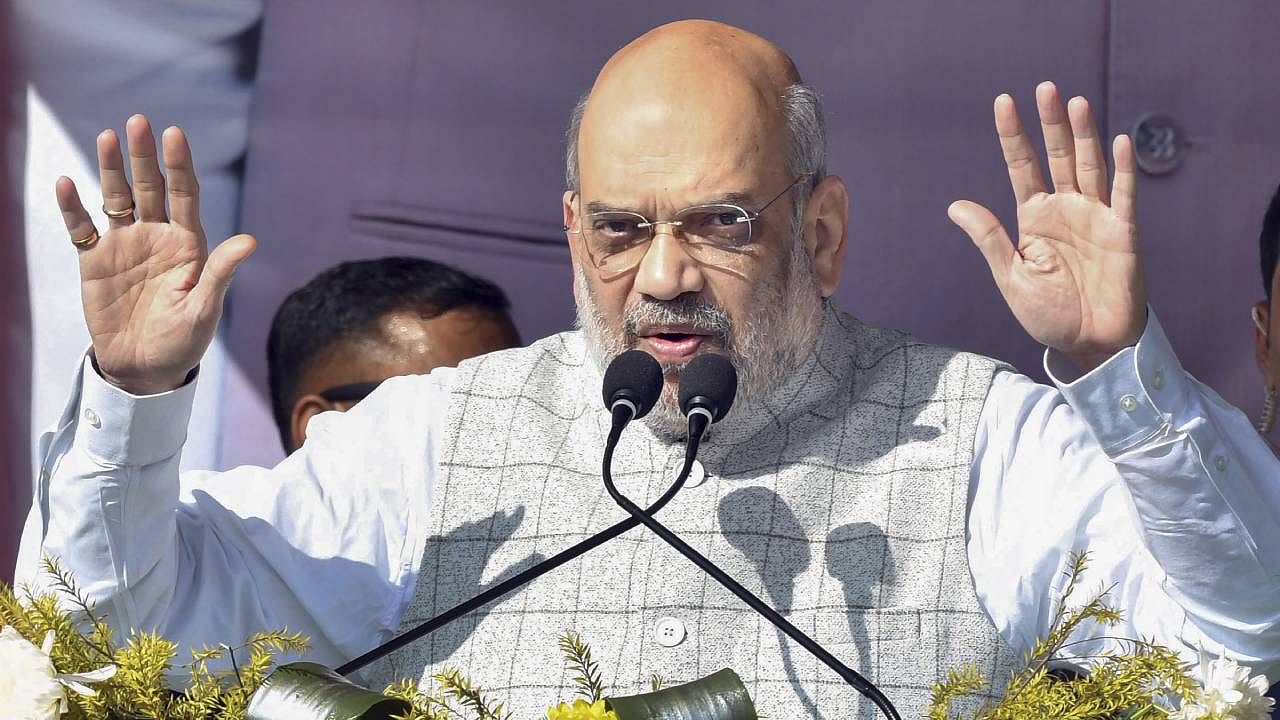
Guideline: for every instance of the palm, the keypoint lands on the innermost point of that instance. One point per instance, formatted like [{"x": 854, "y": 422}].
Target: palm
[
  {"x": 137, "y": 296},
  {"x": 1074, "y": 281},
  {"x": 152, "y": 293}
]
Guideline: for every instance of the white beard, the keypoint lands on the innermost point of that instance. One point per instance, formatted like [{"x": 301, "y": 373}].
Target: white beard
[{"x": 778, "y": 331}]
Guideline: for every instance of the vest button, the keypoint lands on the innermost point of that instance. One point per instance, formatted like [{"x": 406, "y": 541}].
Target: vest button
[
  {"x": 697, "y": 475},
  {"x": 668, "y": 632}
]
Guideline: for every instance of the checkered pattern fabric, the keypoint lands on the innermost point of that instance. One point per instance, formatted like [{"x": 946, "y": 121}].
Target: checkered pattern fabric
[{"x": 840, "y": 500}]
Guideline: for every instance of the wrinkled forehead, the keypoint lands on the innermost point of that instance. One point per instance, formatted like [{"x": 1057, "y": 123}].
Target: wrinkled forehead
[{"x": 675, "y": 126}]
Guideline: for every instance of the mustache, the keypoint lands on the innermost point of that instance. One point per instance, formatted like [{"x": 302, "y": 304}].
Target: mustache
[{"x": 691, "y": 310}]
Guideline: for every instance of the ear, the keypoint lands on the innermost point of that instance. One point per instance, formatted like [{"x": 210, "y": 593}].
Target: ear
[
  {"x": 569, "y": 206},
  {"x": 1262, "y": 342},
  {"x": 826, "y": 232},
  {"x": 307, "y": 407}
]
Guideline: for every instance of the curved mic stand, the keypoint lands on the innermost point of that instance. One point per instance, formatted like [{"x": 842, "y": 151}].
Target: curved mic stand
[
  {"x": 698, "y": 422},
  {"x": 622, "y": 414}
]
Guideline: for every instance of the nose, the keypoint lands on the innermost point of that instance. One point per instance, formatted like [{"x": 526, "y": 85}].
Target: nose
[{"x": 667, "y": 271}]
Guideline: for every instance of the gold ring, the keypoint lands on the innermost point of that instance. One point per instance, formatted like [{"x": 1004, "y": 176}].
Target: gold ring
[
  {"x": 86, "y": 242},
  {"x": 117, "y": 214}
]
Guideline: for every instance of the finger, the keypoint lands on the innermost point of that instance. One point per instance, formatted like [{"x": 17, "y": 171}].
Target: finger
[
  {"x": 1019, "y": 155},
  {"x": 1091, "y": 163},
  {"x": 1059, "y": 144},
  {"x": 184, "y": 190},
  {"x": 985, "y": 230},
  {"x": 148, "y": 183},
  {"x": 116, "y": 194},
  {"x": 219, "y": 269},
  {"x": 74, "y": 216},
  {"x": 1124, "y": 188}
]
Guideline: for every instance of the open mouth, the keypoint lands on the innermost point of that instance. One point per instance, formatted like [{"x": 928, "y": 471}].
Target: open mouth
[{"x": 672, "y": 345}]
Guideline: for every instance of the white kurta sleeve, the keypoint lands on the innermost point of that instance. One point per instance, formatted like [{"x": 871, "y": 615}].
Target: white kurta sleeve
[
  {"x": 1168, "y": 488},
  {"x": 325, "y": 543}
]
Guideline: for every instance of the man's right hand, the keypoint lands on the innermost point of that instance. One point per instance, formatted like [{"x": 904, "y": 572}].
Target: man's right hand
[{"x": 152, "y": 291}]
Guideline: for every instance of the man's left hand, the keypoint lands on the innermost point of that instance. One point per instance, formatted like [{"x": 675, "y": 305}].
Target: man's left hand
[{"x": 1074, "y": 280}]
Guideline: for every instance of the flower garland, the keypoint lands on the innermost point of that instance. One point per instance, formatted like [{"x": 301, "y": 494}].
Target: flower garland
[{"x": 77, "y": 672}]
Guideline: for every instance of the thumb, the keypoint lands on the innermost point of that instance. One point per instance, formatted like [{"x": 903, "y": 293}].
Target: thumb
[
  {"x": 985, "y": 230},
  {"x": 220, "y": 267}
]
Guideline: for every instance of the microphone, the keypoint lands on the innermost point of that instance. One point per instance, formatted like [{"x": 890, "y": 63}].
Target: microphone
[
  {"x": 708, "y": 386},
  {"x": 632, "y": 383}
]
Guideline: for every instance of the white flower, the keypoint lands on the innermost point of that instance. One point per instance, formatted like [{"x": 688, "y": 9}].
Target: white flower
[
  {"x": 30, "y": 689},
  {"x": 1228, "y": 693}
]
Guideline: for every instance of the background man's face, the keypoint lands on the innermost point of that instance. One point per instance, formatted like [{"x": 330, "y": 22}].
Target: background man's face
[
  {"x": 407, "y": 344},
  {"x": 1267, "y": 343}
]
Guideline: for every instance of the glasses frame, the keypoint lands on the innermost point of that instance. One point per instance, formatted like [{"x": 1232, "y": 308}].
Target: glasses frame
[
  {"x": 748, "y": 216},
  {"x": 351, "y": 392}
]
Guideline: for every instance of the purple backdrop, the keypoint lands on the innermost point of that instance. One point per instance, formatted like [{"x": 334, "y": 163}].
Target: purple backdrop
[{"x": 436, "y": 129}]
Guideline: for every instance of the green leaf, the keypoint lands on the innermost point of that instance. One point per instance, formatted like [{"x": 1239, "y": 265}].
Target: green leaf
[
  {"x": 577, "y": 656},
  {"x": 307, "y": 691},
  {"x": 719, "y": 696}
]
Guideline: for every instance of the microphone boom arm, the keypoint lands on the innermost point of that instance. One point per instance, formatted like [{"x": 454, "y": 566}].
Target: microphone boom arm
[
  {"x": 698, "y": 422},
  {"x": 622, "y": 414}
]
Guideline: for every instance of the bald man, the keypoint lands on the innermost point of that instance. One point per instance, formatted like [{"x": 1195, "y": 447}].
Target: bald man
[{"x": 909, "y": 507}]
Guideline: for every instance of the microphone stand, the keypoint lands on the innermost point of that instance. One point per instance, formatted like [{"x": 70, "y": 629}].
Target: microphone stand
[
  {"x": 623, "y": 412},
  {"x": 698, "y": 422}
]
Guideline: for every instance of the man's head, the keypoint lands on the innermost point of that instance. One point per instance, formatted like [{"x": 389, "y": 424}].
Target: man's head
[
  {"x": 691, "y": 114},
  {"x": 359, "y": 323},
  {"x": 1266, "y": 313}
]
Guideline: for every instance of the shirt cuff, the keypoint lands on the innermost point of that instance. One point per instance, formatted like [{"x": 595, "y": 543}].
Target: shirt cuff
[
  {"x": 119, "y": 428},
  {"x": 1130, "y": 397}
]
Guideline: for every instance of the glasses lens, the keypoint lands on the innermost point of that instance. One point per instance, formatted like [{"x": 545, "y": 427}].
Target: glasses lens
[
  {"x": 720, "y": 226},
  {"x": 614, "y": 239}
]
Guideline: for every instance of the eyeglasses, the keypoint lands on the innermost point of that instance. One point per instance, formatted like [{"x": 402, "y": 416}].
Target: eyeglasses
[
  {"x": 617, "y": 240},
  {"x": 351, "y": 393}
]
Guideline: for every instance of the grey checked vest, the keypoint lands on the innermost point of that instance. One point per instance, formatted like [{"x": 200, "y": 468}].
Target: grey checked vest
[{"x": 840, "y": 500}]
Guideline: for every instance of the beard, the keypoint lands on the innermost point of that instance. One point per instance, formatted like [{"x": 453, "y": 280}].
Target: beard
[{"x": 777, "y": 331}]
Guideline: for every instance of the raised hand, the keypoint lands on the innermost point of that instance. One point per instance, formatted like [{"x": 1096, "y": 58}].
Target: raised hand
[
  {"x": 152, "y": 291},
  {"x": 1074, "y": 281}
]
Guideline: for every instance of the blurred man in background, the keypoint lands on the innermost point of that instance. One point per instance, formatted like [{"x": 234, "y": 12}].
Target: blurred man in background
[
  {"x": 339, "y": 336},
  {"x": 1266, "y": 319}
]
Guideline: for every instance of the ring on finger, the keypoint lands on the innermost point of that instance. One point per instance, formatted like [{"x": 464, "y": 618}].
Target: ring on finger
[
  {"x": 118, "y": 214},
  {"x": 87, "y": 241}
]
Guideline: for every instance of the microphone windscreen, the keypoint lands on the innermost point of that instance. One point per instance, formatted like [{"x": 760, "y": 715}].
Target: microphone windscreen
[
  {"x": 636, "y": 376},
  {"x": 712, "y": 378}
]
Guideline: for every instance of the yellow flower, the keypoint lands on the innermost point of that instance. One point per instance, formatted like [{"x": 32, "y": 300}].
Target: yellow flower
[{"x": 580, "y": 710}]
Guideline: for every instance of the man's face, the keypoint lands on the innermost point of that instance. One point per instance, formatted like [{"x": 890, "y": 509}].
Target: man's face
[
  {"x": 655, "y": 157},
  {"x": 406, "y": 344}
]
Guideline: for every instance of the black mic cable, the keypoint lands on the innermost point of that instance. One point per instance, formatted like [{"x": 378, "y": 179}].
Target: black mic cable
[
  {"x": 707, "y": 388},
  {"x": 632, "y": 384}
]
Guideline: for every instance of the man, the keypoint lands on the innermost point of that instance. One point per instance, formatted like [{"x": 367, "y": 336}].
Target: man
[
  {"x": 910, "y": 507},
  {"x": 354, "y": 325},
  {"x": 1266, "y": 319}
]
